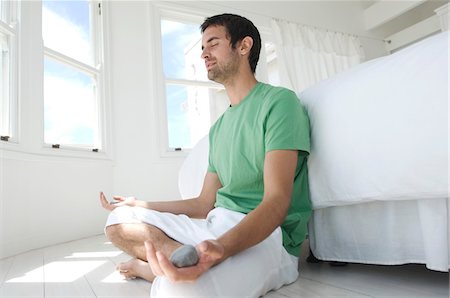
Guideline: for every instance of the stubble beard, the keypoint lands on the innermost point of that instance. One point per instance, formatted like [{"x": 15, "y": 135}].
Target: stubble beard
[{"x": 224, "y": 72}]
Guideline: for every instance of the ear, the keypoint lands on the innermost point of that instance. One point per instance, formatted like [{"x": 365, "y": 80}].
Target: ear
[{"x": 246, "y": 45}]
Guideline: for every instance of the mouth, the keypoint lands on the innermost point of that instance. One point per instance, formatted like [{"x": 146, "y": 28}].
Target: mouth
[{"x": 209, "y": 65}]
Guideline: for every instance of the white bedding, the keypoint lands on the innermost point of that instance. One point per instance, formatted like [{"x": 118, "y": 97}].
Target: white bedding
[{"x": 380, "y": 130}]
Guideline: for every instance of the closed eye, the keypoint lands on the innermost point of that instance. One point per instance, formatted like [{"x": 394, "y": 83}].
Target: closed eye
[{"x": 210, "y": 46}]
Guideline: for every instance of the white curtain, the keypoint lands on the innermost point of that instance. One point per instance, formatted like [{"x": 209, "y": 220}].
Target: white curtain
[{"x": 307, "y": 55}]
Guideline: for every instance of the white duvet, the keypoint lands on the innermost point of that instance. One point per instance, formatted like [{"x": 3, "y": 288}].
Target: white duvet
[{"x": 380, "y": 130}]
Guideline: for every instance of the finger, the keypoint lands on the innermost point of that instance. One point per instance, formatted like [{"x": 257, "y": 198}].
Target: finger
[
  {"x": 104, "y": 202},
  {"x": 168, "y": 269},
  {"x": 174, "y": 274},
  {"x": 152, "y": 259},
  {"x": 103, "y": 197},
  {"x": 118, "y": 198}
]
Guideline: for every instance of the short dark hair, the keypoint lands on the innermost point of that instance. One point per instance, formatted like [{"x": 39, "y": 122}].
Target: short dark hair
[{"x": 237, "y": 28}]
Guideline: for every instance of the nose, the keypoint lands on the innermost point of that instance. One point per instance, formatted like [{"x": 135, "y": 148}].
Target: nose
[{"x": 205, "y": 54}]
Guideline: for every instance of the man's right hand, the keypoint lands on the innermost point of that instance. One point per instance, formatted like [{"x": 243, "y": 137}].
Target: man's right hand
[{"x": 118, "y": 201}]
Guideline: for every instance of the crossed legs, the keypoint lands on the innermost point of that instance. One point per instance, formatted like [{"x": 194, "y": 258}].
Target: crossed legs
[{"x": 130, "y": 238}]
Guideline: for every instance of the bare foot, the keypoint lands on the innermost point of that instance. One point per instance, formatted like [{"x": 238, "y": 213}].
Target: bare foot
[{"x": 136, "y": 268}]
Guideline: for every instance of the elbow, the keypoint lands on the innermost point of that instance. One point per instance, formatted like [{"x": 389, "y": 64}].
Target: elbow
[
  {"x": 203, "y": 207},
  {"x": 284, "y": 210}
]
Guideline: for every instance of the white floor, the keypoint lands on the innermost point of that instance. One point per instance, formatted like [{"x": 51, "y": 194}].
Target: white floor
[{"x": 86, "y": 268}]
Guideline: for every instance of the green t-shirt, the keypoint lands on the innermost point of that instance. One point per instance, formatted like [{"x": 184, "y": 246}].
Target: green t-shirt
[{"x": 269, "y": 118}]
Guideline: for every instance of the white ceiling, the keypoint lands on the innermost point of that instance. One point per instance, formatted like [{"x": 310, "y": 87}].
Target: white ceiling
[{"x": 346, "y": 16}]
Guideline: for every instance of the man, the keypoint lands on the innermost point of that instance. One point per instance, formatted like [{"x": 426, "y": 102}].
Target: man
[{"x": 250, "y": 218}]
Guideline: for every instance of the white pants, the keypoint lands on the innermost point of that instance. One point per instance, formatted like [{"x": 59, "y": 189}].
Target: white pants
[{"x": 251, "y": 273}]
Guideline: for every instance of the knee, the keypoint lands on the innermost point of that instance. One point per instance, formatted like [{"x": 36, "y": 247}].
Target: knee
[
  {"x": 118, "y": 233},
  {"x": 115, "y": 233}
]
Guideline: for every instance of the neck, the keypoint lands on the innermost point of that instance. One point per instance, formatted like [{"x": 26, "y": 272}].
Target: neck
[{"x": 238, "y": 89}]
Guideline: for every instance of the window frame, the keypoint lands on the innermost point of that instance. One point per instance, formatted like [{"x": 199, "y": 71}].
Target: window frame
[
  {"x": 171, "y": 12},
  {"x": 29, "y": 79},
  {"x": 96, "y": 71},
  {"x": 9, "y": 27}
]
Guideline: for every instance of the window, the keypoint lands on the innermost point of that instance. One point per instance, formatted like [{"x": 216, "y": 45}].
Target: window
[
  {"x": 8, "y": 82},
  {"x": 193, "y": 103},
  {"x": 72, "y": 73}
]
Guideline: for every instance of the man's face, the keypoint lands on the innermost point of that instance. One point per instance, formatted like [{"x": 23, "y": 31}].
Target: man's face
[{"x": 221, "y": 61}]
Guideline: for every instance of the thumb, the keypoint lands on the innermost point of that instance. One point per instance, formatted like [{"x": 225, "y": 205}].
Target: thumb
[{"x": 213, "y": 249}]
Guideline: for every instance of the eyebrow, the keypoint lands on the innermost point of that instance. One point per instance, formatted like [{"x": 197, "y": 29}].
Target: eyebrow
[{"x": 209, "y": 40}]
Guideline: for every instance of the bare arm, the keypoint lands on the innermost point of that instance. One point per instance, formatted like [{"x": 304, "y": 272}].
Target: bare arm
[
  {"x": 195, "y": 207},
  {"x": 279, "y": 171}
]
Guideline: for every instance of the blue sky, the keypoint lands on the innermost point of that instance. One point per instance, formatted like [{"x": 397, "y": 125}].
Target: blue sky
[{"x": 76, "y": 12}]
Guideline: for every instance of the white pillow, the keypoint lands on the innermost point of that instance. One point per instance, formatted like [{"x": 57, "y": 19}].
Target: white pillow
[{"x": 193, "y": 171}]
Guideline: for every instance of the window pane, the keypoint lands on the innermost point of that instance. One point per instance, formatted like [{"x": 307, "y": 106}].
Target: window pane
[
  {"x": 189, "y": 114},
  {"x": 70, "y": 106},
  {"x": 181, "y": 49},
  {"x": 4, "y": 86},
  {"x": 66, "y": 28}
]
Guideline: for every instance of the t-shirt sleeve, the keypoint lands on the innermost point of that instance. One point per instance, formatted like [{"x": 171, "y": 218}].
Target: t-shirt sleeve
[{"x": 287, "y": 124}]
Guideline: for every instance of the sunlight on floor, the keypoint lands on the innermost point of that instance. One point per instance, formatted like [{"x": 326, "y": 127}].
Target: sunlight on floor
[
  {"x": 68, "y": 271},
  {"x": 114, "y": 277}
]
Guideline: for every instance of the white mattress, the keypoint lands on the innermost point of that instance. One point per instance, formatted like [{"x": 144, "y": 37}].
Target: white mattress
[{"x": 380, "y": 130}]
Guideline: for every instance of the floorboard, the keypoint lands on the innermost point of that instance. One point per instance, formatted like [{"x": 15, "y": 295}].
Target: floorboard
[{"x": 25, "y": 277}]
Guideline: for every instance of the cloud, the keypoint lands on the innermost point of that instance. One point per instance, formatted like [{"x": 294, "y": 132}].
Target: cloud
[
  {"x": 70, "y": 111},
  {"x": 61, "y": 35}
]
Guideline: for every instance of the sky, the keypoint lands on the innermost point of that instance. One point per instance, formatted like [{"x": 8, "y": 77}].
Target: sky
[
  {"x": 69, "y": 105},
  {"x": 176, "y": 37}
]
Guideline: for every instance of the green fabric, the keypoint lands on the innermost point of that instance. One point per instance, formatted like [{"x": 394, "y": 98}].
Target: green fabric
[{"x": 269, "y": 118}]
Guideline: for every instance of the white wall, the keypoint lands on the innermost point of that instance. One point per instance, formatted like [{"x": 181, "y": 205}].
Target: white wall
[
  {"x": 46, "y": 196},
  {"x": 47, "y": 200},
  {"x": 139, "y": 170}
]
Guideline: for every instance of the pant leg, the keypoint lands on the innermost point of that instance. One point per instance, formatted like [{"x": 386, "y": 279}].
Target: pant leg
[
  {"x": 178, "y": 227},
  {"x": 251, "y": 273}
]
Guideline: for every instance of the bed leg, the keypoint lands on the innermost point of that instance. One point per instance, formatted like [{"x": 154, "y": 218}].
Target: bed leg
[{"x": 312, "y": 258}]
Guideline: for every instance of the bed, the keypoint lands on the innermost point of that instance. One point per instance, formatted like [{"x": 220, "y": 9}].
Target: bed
[{"x": 378, "y": 167}]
